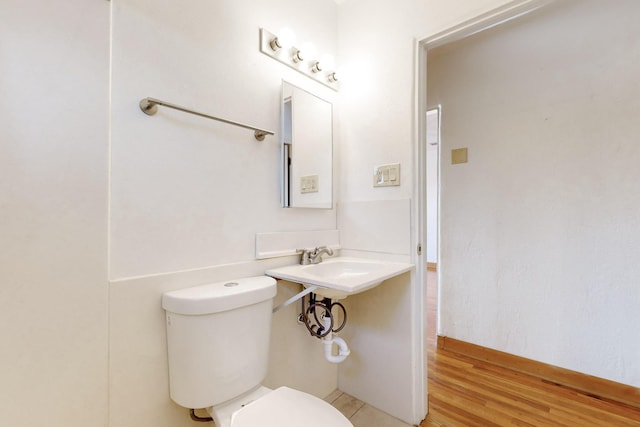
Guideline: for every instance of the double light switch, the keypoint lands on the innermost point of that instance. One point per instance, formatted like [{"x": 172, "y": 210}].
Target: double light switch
[
  {"x": 386, "y": 175},
  {"x": 309, "y": 184}
]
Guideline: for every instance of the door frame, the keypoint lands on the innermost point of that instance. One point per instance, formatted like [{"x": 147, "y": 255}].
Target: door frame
[{"x": 492, "y": 18}]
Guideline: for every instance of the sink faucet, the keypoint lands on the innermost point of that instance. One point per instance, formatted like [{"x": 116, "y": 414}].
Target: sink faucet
[{"x": 314, "y": 256}]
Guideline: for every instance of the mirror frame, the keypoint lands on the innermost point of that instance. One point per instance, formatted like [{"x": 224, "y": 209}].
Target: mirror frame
[{"x": 311, "y": 187}]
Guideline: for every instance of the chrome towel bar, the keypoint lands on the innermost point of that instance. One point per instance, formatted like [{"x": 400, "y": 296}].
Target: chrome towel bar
[{"x": 149, "y": 106}]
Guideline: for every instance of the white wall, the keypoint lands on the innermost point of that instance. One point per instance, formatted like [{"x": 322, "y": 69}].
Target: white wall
[
  {"x": 376, "y": 101},
  {"x": 185, "y": 191},
  {"x": 53, "y": 210},
  {"x": 379, "y": 330},
  {"x": 376, "y": 98},
  {"x": 188, "y": 194},
  {"x": 539, "y": 230},
  {"x": 445, "y": 14},
  {"x": 376, "y": 111}
]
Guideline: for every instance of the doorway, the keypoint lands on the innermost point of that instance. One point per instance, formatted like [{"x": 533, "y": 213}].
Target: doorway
[
  {"x": 433, "y": 180},
  {"x": 432, "y": 160},
  {"x": 430, "y": 297}
]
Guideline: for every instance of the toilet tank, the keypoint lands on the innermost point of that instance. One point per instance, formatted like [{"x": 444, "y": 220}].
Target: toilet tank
[{"x": 218, "y": 339}]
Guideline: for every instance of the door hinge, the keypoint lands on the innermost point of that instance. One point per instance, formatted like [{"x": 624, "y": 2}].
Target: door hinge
[{"x": 419, "y": 249}]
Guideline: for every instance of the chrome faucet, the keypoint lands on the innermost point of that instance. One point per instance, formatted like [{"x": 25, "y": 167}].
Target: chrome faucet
[{"x": 314, "y": 256}]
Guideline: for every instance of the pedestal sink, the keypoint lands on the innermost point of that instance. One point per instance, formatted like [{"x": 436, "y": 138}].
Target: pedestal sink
[{"x": 340, "y": 277}]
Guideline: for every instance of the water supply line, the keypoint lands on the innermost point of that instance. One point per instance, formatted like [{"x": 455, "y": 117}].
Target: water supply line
[
  {"x": 194, "y": 417},
  {"x": 320, "y": 322}
]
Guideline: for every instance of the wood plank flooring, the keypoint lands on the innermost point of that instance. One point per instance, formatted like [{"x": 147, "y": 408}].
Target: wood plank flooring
[{"x": 470, "y": 392}]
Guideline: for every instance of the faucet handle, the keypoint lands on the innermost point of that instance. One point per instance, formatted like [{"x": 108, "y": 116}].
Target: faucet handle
[
  {"x": 305, "y": 254},
  {"x": 327, "y": 250}
]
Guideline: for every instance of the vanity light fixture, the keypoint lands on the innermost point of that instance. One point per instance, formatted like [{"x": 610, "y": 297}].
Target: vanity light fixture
[{"x": 303, "y": 59}]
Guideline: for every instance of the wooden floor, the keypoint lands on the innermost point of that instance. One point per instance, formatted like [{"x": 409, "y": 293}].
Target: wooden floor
[{"x": 469, "y": 392}]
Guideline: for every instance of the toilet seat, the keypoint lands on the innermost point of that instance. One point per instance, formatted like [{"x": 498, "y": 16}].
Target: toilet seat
[{"x": 285, "y": 407}]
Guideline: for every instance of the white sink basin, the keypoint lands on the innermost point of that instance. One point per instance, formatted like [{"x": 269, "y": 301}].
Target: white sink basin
[{"x": 340, "y": 277}]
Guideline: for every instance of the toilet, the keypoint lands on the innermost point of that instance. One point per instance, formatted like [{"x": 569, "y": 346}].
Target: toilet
[{"x": 218, "y": 345}]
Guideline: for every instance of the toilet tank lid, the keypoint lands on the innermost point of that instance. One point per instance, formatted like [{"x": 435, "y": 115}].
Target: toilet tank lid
[{"x": 220, "y": 296}]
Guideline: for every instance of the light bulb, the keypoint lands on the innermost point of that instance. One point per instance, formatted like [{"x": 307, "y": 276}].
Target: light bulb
[
  {"x": 328, "y": 62},
  {"x": 284, "y": 40},
  {"x": 287, "y": 38},
  {"x": 307, "y": 51}
]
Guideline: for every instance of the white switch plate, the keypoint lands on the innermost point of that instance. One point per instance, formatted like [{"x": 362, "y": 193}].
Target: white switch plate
[
  {"x": 309, "y": 184},
  {"x": 386, "y": 175}
]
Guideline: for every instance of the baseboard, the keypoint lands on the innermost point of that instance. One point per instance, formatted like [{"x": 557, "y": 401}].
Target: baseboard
[
  {"x": 593, "y": 386},
  {"x": 432, "y": 266}
]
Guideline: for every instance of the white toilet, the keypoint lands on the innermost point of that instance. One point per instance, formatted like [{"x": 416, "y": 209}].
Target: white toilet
[{"x": 218, "y": 344}]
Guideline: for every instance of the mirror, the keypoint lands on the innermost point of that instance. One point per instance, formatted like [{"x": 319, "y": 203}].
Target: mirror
[{"x": 307, "y": 149}]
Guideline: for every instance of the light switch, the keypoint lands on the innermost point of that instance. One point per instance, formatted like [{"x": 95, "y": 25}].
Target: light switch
[
  {"x": 393, "y": 173},
  {"x": 309, "y": 184},
  {"x": 386, "y": 175}
]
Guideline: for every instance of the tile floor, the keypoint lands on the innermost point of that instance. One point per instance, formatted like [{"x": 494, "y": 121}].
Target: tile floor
[{"x": 362, "y": 415}]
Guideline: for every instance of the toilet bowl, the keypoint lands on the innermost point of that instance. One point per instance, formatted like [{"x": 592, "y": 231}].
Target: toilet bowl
[
  {"x": 218, "y": 344},
  {"x": 282, "y": 407}
]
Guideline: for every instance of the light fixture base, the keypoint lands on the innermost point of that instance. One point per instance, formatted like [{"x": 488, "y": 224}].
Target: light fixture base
[
  {"x": 285, "y": 56},
  {"x": 274, "y": 45}
]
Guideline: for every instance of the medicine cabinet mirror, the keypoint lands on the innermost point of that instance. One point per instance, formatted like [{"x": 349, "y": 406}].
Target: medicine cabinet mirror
[{"x": 307, "y": 149}]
